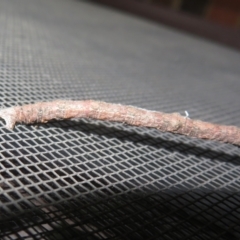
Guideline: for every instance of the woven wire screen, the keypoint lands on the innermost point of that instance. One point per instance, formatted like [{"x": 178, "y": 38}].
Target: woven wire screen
[{"x": 97, "y": 180}]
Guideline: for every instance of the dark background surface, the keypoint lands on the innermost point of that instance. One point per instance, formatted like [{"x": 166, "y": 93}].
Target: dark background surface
[
  {"x": 216, "y": 20},
  {"x": 222, "y": 12},
  {"x": 93, "y": 180}
]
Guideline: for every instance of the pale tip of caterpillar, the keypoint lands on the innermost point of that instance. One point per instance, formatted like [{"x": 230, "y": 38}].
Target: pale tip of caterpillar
[{"x": 8, "y": 115}]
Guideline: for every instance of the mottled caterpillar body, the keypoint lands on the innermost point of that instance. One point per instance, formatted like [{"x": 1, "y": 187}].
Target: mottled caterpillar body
[{"x": 60, "y": 109}]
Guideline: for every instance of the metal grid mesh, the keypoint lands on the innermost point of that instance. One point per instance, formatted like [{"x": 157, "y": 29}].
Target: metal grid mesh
[{"x": 93, "y": 180}]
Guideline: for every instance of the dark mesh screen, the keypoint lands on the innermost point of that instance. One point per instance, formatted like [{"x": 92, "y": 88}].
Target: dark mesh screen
[{"x": 97, "y": 180}]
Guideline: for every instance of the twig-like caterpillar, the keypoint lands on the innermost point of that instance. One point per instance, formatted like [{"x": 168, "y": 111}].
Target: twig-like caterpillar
[{"x": 59, "y": 110}]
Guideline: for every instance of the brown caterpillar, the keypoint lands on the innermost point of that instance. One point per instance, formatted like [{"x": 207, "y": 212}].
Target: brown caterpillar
[{"x": 59, "y": 110}]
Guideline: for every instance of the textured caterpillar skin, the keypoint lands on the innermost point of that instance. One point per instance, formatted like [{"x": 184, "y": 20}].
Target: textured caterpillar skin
[{"x": 43, "y": 112}]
